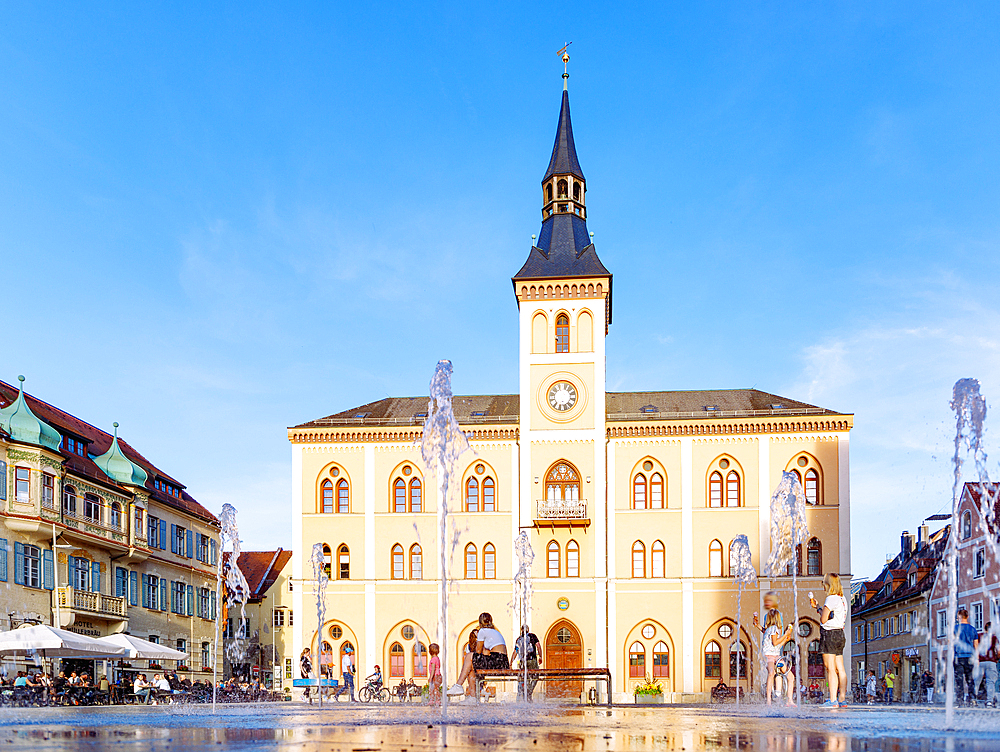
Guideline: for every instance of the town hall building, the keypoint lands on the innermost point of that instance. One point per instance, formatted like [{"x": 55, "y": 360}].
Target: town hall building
[{"x": 631, "y": 499}]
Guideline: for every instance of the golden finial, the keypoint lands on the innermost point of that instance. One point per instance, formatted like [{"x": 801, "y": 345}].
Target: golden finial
[{"x": 565, "y": 58}]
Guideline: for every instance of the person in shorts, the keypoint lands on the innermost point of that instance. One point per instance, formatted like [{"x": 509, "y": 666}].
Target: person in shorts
[{"x": 833, "y": 617}]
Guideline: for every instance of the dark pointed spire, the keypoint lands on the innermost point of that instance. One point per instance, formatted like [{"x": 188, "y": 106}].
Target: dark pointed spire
[{"x": 564, "y": 160}]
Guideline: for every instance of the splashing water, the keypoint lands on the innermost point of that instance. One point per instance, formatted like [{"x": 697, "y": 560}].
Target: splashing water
[
  {"x": 788, "y": 531},
  {"x": 741, "y": 564},
  {"x": 443, "y": 443},
  {"x": 970, "y": 426},
  {"x": 236, "y": 591},
  {"x": 322, "y": 579},
  {"x": 522, "y": 596}
]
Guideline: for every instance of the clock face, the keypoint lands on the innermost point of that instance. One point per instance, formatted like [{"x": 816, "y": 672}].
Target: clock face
[{"x": 562, "y": 396}]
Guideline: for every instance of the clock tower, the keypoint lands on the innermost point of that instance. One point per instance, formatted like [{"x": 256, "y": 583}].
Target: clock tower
[{"x": 564, "y": 300}]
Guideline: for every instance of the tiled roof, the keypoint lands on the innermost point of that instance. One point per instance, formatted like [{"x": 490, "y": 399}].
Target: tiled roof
[
  {"x": 564, "y": 160},
  {"x": 504, "y": 409},
  {"x": 99, "y": 443},
  {"x": 563, "y": 250},
  {"x": 261, "y": 569},
  {"x": 926, "y": 556}
]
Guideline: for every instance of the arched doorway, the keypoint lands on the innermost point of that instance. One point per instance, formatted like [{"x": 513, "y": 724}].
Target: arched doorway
[{"x": 563, "y": 649}]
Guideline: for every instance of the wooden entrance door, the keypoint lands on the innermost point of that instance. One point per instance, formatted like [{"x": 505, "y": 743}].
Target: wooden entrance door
[{"x": 563, "y": 649}]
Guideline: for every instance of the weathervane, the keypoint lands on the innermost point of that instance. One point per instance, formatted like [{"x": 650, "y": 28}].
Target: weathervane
[{"x": 565, "y": 58}]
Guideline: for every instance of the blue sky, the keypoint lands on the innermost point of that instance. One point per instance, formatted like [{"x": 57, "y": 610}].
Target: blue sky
[{"x": 220, "y": 220}]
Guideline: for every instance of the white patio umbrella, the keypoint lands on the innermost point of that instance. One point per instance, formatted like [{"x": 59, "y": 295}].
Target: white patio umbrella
[
  {"x": 136, "y": 647},
  {"x": 51, "y": 642}
]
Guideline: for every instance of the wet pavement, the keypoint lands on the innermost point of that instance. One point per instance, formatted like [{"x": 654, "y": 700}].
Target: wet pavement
[{"x": 345, "y": 728}]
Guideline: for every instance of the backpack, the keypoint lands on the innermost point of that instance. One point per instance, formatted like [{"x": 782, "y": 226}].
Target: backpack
[{"x": 531, "y": 648}]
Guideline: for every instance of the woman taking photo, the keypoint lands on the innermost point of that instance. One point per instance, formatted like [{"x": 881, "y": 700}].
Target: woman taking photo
[{"x": 832, "y": 618}]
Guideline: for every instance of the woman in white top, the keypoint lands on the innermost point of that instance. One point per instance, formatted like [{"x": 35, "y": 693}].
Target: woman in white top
[
  {"x": 490, "y": 645},
  {"x": 833, "y": 617}
]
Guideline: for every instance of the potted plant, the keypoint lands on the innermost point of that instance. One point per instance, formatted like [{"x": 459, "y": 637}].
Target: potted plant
[{"x": 649, "y": 693}]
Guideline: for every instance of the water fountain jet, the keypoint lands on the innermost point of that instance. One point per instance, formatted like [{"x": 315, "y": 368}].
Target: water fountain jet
[{"x": 741, "y": 566}]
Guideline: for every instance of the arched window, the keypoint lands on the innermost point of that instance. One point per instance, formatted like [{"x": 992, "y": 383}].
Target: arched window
[
  {"x": 661, "y": 660},
  {"x": 472, "y": 495},
  {"x": 713, "y": 661},
  {"x": 343, "y": 562},
  {"x": 489, "y": 562},
  {"x": 327, "y": 495},
  {"x": 732, "y": 489},
  {"x": 489, "y": 495},
  {"x": 116, "y": 515},
  {"x": 658, "y": 557},
  {"x": 471, "y": 562},
  {"x": 639, "y": 491},
  {"x": 636, "y": 660},
  {"x": 715, "y": 489},
  {"x": 69, "y": 501},
  {"x": 741, "y": 652},
  {"x": 715, "y": 559},
  {"x": 398, "y": 568},
  {"x": 814, "y": 660},
  {"x": 419, "y": 659},
  {"x": 416, "y": 562},
  {"x": 548, "y": 192},
  {"x": 812, "y": 486},
  {"x": 92, "y": 507},
  {"x": 572, "y": 559},
  {"x": 327, "y": 561},
  {"x": 798, "y": 563},
  {"x": 399, "y": 496},
  {"x": 656, "y": 491},
  {"x": 966, "y": 525},
  {"x": 552, "y": 556},
  {"x": 343, "y": 497},
  {"x": 562, "y": 333},
  {"x": 576, "y": 191},
  {"x": 638, "y": 560},
  {"x": 562, "y": 484},
  {"x": 814, "y": 557},
  {"x": 416, "y": 496},
  {"x": 563, "y": 189},
  {"x": 397, "y": 660}
]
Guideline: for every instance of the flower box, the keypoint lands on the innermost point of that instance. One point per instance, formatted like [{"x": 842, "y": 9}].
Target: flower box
[{"x": 645, "y": 699}]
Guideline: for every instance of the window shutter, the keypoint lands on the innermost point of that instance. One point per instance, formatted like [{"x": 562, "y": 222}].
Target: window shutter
[
  {"x": 95, "y": 577},
  {"x": 70, "y": 563},
  {"x": 3, "y": 480},
  {"x": 189, "y": 544},
  {"x": 197, "y": 603},
  {"x": 163, "y": 594},
  {"x": 173, "y": 539},
  {"x": 145, "y": 591},
  {"x": 214, "y": 604},
  {"x": 133, "y": 589},
  {"x": 163, "y": 535},
  {"x": 3, "y": 559},
  {"x": 190, "y": 603},
  {"x": 212, "y": 552},
  {"x": 48, "y": 570},
  {"x": 18, "y": 563}
]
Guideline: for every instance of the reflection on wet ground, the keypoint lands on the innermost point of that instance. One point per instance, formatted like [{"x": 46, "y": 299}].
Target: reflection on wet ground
[{"x": 487, "y": 729}]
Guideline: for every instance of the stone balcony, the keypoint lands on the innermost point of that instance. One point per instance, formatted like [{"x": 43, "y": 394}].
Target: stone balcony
[
  {"x": 73, "y": 603},
  {"x": 561, "y": 513}
]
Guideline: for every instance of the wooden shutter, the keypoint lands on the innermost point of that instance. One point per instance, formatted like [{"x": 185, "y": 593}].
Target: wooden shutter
[
  {"x": 18, "y": 563},
  {"x": 212, "y": 552},
  {"x": 133, "y": 588},
  {"x": 173, "y": 539},
  {"x": 95, "y": 577},
  {"x": 214, "y": 598},
  {"x": 189, "y": 545},
  {"x": 163, "y": 535},
  {"x": 190, "y": 600},
  {"x": 163, "y": 594},
  {"x": 3, "y": 559},
  {"x": 145, "y": 590},
  {"x": 48, "y": 570},
  {"x": 3, "y": 480}
]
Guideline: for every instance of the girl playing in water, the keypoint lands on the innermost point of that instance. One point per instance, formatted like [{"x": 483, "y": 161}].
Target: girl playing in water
[
  {"x": 436, "y": 680},
  {"x": 774, "y": 638}
]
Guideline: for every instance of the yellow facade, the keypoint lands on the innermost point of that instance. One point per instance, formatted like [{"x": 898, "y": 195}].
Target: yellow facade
[{"x": 643, "y": 591}]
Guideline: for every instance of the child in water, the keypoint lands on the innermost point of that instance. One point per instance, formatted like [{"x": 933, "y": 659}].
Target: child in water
[
  {"x": 774, "y": 638},
  {"x": 436, "y": 680}
]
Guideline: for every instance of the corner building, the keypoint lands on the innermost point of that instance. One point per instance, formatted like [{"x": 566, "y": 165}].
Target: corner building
[{"x": 632, "y": 498}]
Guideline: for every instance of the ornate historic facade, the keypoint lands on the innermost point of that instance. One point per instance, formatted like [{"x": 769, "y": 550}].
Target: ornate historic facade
[
  {"x": 97, "y": 539},
  {"x": 631, "y": 499}
]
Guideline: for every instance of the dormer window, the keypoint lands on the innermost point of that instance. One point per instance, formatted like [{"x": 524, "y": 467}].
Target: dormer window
[
  {"x": 649, "y": 409},
  {"x": 563, "y": 189},
  {"x": 75, "y": 447}
]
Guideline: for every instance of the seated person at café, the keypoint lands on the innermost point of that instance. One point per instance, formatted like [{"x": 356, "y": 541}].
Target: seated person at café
[{"x": 141, "y": 687}]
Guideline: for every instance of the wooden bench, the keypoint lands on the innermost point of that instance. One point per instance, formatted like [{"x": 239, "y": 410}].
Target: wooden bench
[{"x": 543, "y": 674}]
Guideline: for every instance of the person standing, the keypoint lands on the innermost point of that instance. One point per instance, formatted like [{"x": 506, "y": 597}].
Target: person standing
[
  {"x": 774, "y": 638},
  {"x": 890, "y": 683},
  {"x": 526, "y": 646},
  {"x": 988, "y": 654},
  {"x": 833, "y": 617},
  {"x": 305, "y": 670},
  {"x": 927, "y": 684},
  {"x": 870, "y": 687},
  {"x": 966, "y": 644},
  {"x": 347, "y": 671}
]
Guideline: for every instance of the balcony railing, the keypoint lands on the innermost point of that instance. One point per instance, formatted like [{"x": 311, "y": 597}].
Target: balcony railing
[
  {"x": 108, "y": 606},
  {"x": 549, "y": 509}
]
